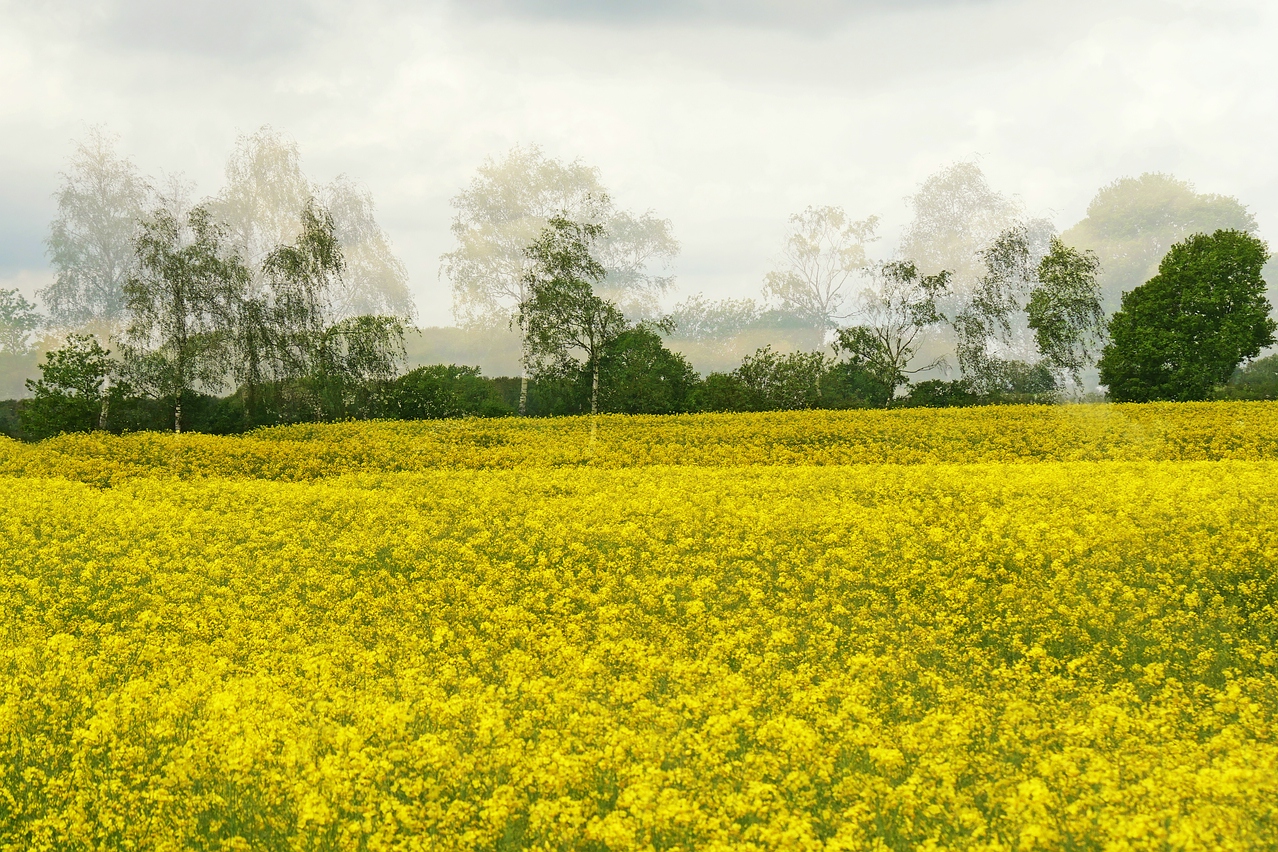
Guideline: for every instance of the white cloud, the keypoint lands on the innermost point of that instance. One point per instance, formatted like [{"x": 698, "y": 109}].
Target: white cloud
[{"x": 724, "y": 120}]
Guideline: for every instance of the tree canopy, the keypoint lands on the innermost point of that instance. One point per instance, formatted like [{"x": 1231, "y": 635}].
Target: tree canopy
[
  {"x": 1132, "y": 222},
  {"x": 1187, "y": 329}
]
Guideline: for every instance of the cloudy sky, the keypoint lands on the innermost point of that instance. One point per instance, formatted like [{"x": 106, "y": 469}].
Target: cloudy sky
[{"x": 725, "y": 116}]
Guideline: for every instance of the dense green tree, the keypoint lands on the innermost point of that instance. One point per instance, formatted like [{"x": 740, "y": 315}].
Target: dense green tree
[
  {"x": 445, "y": 390},
  {"x": 639, "y": 375},
  {"x": 563, "y": 321},
  {"x": 68, "y": 396},
  {"x": 782, "y": 382},
  {"x": 180, "y": 305},
  {"x": 1187, "y": 329}
]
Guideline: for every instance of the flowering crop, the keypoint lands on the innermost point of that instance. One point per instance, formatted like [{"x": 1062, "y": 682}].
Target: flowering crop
[{"x": 696, "y": 633}]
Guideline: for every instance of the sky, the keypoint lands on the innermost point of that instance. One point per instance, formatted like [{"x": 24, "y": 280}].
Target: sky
[{"x": 725, "y": 116}]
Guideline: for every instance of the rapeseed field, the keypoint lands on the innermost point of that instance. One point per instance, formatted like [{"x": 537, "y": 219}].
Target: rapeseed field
[{"x": 1000, "y": 628}]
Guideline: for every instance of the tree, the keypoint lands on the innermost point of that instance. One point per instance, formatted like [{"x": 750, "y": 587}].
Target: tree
[
  {"x": 262, "y": 207},
  {"x": 90, "y": 245},
  {"x": 1065, "y": 310},
  {"x": 18, "y": 320},
  {"x": 823, "y": 251},
  {"x": 782, "y": 382},
  {"x": 508, "y": 205},
  {"x": 1187, "y": 329},
  {"x": 180, "y": 304},
  {"x": 68, "y": 396},
  {"x": 1132, "y": 222},
  {"x": 639, "y": 375},
  {"x": 897, "y": 312},
  {"x": 563, "y": 321},
  {"x": 956, "y": 215},
  {"x": 992, "y": 329},
  {"x": 357, "y": 360}
]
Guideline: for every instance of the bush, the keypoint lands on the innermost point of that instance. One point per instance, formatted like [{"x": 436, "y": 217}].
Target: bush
[
  {"x": 439, "y": 391},
  {"x": 1257, "y": 380}
]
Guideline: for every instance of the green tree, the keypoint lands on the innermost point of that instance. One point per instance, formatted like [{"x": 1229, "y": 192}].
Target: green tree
[
  {"x": 897, "y": 311},
  {"x": 1187, "y": 329},
  {"x": 639, "y": 375},
  {"x": 437, "y": 391},
  {"x": 18, "y": 320},
  {"x": 181, "y": 306},
  {"x": 68, "y": 396},
  {"x": 770, "y": 381},
  {"x": 1065, "y": 310},
  {"x": 563, "y": 321},
  {"x": 1132, "y": 222},
  {"x": 509, "y": 204}
]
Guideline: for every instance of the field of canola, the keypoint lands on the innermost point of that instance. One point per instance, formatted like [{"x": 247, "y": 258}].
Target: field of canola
[{"x": 1001, "y": 628}]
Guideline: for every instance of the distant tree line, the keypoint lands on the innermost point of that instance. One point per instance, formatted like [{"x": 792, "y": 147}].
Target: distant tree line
[{"x": 278, "y": 301}]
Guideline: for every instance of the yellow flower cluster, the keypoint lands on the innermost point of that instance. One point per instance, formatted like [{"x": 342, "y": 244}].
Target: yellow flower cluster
[
  {"x": 985, "y": 629},
  {"x": 1155, "y": 432}
]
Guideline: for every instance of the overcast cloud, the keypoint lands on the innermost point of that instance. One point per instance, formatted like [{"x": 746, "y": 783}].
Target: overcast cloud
[{"x": 724, "y": 116}]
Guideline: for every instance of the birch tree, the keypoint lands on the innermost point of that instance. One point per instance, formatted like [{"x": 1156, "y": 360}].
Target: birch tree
[
  {"x": 180, "y": 303},
  {"x": 505, "y": 209},
  {"x": 564, "y": 323},
  {"x": 101, "y": 201}
]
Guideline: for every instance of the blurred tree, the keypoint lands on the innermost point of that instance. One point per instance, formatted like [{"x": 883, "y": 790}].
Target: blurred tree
[
  {"x": 506, "y": 207},
  {"x": 1065, "y": 312},
  {"x": 897, "y": 311},
  {"x": 1185, "y": 331},
  {"x": 563, "y": 321},
  {"x": 181, "y": 306},
  {"x": 1132, "y": 222},
  {"x": 957, "y": 215},
  {"x": 90, "y": 245},
  {"x": 823, "y": 251},
  {"x": 697, "y": 318},
  {"x": 261, "y": 206},
  {"x": 68, "y": 396},
  {"x": 992, "y": 326},
  {"x": 18, "y": 321}
]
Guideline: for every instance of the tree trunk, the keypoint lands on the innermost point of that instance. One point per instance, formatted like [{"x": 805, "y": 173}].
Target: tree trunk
[
  {"x": 523, "y": 392},
  {"x": 106, "y": 407},
  {"x": 594, "y": 390},
  {"x": 177, "y": 415}
]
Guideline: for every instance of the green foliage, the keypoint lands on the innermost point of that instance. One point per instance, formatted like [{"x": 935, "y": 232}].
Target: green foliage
[
  {"x": 439, "y": 391},
  {"x": 563, "y": 321},
  {"x": 1257, "y": 380},
  {"x": 639, "y": 375},
  {"x": 775, "y": 382},
  {"x": 1065, "y": 309},
  {"x": 180, "y": 306},
  {"x": 68, "y": 396},
  {"x": 18, "y": 319},
  {"x": 1187, "y": 329}
]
